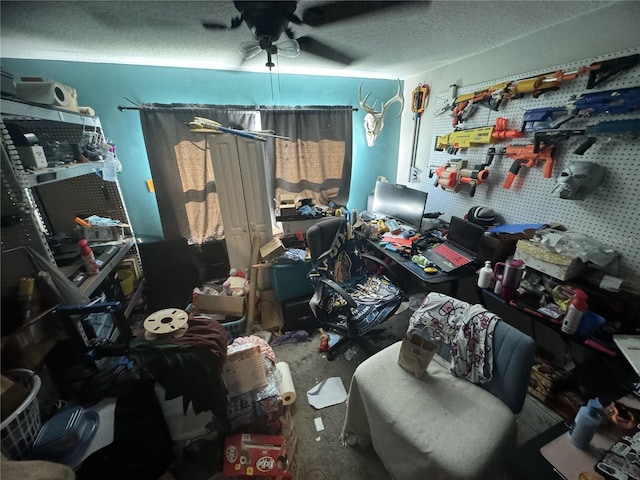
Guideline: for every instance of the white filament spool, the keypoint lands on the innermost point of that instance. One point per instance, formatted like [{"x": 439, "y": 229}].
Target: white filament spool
[{"x": 165, "y": 321}]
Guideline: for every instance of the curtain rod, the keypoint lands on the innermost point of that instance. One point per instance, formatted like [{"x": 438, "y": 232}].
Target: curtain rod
[{"x": 235, "y": 107}]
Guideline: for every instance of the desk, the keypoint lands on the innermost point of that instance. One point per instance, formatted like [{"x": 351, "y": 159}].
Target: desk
[
  {"x": 417, "y": 272},
  {"x": 552, "y": 454}
]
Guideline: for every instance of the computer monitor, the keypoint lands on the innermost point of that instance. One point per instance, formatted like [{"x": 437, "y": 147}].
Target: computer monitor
[{"x": 404, "y": 204}]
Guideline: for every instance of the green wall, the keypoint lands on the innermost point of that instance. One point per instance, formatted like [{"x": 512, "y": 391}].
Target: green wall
[{"x": 105, "y": 86}]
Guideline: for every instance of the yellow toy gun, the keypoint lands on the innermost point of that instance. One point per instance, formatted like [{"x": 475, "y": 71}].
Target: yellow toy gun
[{"x": 454, "y": 141}]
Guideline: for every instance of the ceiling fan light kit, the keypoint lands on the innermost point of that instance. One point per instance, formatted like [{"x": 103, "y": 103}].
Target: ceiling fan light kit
[{"x": 268, "y": 20}]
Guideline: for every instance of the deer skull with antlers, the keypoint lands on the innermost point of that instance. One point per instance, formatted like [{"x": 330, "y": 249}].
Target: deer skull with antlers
[{"x": 374, "y": 121}]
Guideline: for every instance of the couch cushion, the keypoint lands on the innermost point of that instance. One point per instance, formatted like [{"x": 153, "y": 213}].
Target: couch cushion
[{"x": 436, "y": 427}]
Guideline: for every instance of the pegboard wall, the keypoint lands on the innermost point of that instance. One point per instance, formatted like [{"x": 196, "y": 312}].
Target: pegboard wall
[{"x": 609, "y": 214}]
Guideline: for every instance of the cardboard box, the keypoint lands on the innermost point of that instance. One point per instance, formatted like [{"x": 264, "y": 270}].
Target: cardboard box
[
  {"x": 255, "y": 455},
  {"x": 243, "y": 370},
  {"x": 272, "y": 249},
  {"x": 499, "y": 247},
  {"x": 12, "y": 395},
  {"x": 221, "y": 304},
  {"x": 557, "y": 265}
]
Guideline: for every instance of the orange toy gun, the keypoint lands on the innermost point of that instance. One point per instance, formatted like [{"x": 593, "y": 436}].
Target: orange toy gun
[
  {"x": 458, "y": 139},
  {"x": 526, "y": 156}
]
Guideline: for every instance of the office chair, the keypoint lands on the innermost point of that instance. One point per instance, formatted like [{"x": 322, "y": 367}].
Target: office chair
[
  {"x": 441, "y": 426},
  {"x": 348, "y": 298}
]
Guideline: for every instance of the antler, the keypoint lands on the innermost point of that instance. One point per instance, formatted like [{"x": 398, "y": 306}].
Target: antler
[{"x": 398, "y": 97}]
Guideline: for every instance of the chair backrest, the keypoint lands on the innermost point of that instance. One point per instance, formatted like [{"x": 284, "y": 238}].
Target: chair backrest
[
  {"x": 321, "y": 235},
  {"x": 513, "y": 357}
]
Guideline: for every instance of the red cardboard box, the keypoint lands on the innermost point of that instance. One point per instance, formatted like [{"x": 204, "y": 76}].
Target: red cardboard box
[{"x": 253, "y": 455}]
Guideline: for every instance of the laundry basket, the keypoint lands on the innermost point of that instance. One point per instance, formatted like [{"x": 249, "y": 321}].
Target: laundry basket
[{"x": 19, "y": 430}]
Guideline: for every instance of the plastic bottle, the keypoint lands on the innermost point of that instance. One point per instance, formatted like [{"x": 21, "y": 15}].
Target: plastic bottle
[
  {"x": 586, "y": 423},
  {"x": 485, "y": 275},
  {"x": 498, "y": 287},
  {"x": 88, "y": 257},
  {"x": 574, "y": 313},
  {"x": 110, "y": 167}
]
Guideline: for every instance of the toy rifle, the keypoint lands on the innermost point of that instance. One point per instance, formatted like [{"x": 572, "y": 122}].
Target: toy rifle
[
  {"x": 205, "y": 125},
  {"x": 464, "y": 105},
  {"x": 624, "y": 100},
  {"x": 458, "y": 139},
  {"x": 623, "y": 129},
  {"x": 525, "y": 156}
]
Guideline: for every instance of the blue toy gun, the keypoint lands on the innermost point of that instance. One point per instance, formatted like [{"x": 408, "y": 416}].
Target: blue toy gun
[{"x": 623, "y": 100}]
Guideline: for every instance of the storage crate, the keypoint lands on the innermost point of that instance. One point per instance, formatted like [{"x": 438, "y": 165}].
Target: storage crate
[
  {"x": 236, "y": 328},
  {"x": 19, "y": 430},
  {"x": 290, "y": 280}
]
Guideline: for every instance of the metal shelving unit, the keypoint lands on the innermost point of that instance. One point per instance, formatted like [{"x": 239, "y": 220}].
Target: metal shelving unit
[{"x": 39, "y": 205}]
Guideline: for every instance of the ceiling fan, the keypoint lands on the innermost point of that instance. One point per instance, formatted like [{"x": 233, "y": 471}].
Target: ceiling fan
[{"x": 268, "y": 20}]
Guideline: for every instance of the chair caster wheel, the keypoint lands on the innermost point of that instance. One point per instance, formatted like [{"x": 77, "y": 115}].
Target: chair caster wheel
[{"x": 331, "y": 356}]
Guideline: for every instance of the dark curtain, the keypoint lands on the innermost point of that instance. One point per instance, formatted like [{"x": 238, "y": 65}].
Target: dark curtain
[
  {"x": 316, "y": 162},
  {"x": 181, "y": 166}
]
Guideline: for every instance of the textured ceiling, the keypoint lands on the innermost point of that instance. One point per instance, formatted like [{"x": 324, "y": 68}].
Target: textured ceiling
[{"x": 410, "y": 39}]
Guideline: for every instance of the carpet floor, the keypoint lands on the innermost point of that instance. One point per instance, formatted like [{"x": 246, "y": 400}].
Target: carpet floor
[{"x": 314, "y": 454}]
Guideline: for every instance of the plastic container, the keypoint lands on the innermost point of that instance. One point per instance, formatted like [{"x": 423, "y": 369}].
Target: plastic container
[
  {"x": 19, "y": 430},
  {"x": 485, "y": 275},
  {"x": 236, "y": 327},
  {"x": 572, "y": 318},
  {"x": 290, "y": 280},
  {"x": 66, "y": 436},
  {"x": 110, "y": 167},
  {"x": 586, "y": 423}
]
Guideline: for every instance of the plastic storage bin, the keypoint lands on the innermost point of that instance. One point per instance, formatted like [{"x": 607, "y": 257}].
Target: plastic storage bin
[{"x": 290, "y": 280}]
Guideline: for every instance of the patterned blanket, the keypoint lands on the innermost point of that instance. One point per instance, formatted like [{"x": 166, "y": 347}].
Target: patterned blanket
[{"x": 467, "y": 328}]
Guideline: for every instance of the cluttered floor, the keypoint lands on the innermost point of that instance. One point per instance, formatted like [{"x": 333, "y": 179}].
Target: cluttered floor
[{"x": 311, "y": 434}]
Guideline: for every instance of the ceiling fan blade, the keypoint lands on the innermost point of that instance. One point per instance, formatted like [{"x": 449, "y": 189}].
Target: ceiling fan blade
[
  {"x": 331, "y": 12},
  {"x": 214, "y": 26},
  {"x": 315, "y": 47},
  {"x": 288, "y": 48},
  {"x": 249, "y": 49}
]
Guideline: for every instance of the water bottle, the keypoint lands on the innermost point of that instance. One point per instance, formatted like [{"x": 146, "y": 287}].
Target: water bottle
[
  {"x": 586, "y": 423},
  {"x": 485, "y": 275},
  {"x": 110, "y": 166}
]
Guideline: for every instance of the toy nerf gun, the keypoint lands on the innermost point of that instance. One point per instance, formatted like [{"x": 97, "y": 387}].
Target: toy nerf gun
[
  {"x": 624, "y": 100},
  {"x": 623, "y": 129},
  {"x": 464, "y": 105},
  {"x": 525, "y": 156},
  {"x": 205, "y": 125},
  {"x": 602, "y": 71},
  {"x": 458, "y": 139},
  {"x": 453, "y": 175}
]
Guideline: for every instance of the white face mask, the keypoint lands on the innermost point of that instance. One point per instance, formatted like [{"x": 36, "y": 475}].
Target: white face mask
[{"x": 578, "y": 179}]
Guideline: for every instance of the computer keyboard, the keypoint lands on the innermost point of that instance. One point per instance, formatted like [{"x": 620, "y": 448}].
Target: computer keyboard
[{"x": 452, "y": 256}]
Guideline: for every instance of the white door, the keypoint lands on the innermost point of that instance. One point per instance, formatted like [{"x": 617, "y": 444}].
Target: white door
[{"x": 240, "y": 176}]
